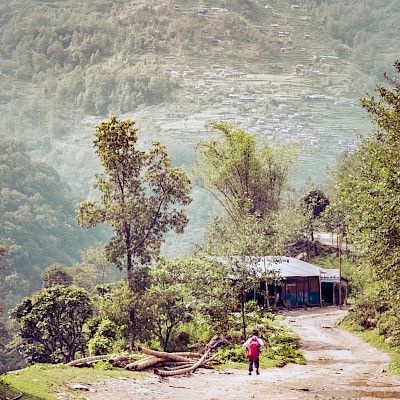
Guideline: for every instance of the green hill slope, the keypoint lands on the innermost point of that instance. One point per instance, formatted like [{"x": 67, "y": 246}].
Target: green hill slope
[{"x": 291, "y": 71}]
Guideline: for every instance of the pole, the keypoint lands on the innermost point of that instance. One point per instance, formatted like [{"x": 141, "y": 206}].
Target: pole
[
  {"x": 340, "y": 270},
  {"x": 320, "y": 291}
]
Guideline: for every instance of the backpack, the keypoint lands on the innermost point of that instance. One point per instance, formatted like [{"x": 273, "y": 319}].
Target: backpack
[{"x": 253, "y": 352}]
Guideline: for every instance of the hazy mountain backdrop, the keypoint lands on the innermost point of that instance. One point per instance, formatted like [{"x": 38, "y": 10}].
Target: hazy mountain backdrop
[{"x": 291, "y": 71}]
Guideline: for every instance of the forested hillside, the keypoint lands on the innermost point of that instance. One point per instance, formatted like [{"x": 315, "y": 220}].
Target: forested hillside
[
  {"x": 37, "y": 224},
  {"x": 291, "y": 71}
]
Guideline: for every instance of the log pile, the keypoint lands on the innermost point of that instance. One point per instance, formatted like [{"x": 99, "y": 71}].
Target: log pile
[{"x": 165, "y": 364}]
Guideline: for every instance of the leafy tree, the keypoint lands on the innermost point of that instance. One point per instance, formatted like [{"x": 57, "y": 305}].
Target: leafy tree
[
  {"x": 142, "y": 197},
  {"x": 103, "y": 340},
  {"x": 169, "y": 301},
  {"x": 209, "y": 285},
  {"x": 52, "y": 324},
  {"x": 247, "y": 178},
  {"x": 56, "y": 274},
  {"x": 314, "y": 204},
  {"x": 244, "y": 176}
]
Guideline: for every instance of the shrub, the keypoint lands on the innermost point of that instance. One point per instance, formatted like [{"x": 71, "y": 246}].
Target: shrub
[
  {"x": 233, "y": 353},
  {"x": 104, "y": 338}
]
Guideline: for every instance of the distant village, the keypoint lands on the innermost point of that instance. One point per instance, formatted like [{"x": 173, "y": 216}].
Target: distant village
[{"x": 280, "y": 104}]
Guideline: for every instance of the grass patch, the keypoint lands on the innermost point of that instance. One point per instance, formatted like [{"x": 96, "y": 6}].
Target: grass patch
[
  {"x": 373, "y": 337},
  {"x": 281, "y": 345},
  {"x": 44, "y": 381}
]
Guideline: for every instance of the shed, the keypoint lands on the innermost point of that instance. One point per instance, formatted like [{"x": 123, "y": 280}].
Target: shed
[{"x": 297, "y": 283}]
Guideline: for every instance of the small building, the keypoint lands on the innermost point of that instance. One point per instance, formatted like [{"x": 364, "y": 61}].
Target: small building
[{"x": 295, "y": 283}]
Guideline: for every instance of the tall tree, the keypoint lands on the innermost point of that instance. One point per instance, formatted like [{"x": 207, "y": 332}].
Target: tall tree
[
  {"x": 245, "y": 176},
  {"x": 313, "y": 204},
  {"x": 142, "y": 198}
]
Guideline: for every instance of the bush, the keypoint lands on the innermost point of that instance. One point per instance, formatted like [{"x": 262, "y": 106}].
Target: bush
[
  {"x": 99, "y": 345},
  {"x": 234, "y": 353},
  {"x": 250, "y": 306},
  {"x": 104, "y": 339}
]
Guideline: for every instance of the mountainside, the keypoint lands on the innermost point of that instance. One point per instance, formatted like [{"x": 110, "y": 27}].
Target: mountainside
[{"x": 291, "y": 71}]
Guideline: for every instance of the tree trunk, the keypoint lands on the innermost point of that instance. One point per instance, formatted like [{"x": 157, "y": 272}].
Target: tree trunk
[
  {"x": 132, "y": 330},
  {"x": 244, "y": 321},
  {"x": 132, "y": 314},
  {"x": 167, "y": 335}
]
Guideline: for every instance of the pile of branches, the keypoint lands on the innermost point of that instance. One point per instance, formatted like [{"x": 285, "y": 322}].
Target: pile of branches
[{"x": 164, "y": 363}]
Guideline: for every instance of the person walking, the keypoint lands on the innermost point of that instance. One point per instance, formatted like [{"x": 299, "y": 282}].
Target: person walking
[{"x": 253, "y": 346}]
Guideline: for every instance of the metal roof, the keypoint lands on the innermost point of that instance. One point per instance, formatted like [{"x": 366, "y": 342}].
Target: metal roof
[{"x": 288, "y": 266}]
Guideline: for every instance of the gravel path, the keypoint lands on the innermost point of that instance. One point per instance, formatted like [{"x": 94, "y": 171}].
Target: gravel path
[{"x": 339, "y": 366}]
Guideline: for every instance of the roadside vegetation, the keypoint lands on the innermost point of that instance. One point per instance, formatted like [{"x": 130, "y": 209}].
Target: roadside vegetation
[{"x": 365, "y": 207}]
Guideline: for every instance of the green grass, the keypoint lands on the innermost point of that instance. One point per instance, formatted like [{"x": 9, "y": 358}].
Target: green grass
[
  {"x": 378, "y": 341},
  {"x": 281, "y": 345},
  {"x": 43, "y": 381}
]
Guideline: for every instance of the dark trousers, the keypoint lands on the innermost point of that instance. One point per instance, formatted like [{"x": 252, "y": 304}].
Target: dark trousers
[{"x": 256, "y": 364}]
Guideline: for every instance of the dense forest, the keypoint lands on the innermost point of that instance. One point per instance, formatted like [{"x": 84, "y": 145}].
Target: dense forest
[{"x": 65, "y": 66}]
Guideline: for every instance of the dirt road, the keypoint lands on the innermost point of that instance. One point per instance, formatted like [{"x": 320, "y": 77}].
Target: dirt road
[{"x": 339, "y": 366}]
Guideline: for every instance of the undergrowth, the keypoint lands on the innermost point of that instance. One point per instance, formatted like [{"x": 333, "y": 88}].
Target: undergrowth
[
  {"x": 373, "y": 337},
  {"x": 281, "y": 345}
]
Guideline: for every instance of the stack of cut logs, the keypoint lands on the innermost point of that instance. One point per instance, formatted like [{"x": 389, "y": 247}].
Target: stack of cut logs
[{"x": 171, "y": 363}]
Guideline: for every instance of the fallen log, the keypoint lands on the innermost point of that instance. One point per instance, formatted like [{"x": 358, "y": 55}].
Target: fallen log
[
  {"x": 122, "y": 361},
  {"x": 86, "y": 364},
  {"x": 143, "y": 363},
  {"x": 125, "y": 358},
  {"x": 89, "y": 360},
  {"x": 166, "y": 363},
  {"x": 177, "y": 367},
  {"x": 187, "y": 370},
  {"x": 188, "y": 354},
  {"x": 164, "y": 355}
]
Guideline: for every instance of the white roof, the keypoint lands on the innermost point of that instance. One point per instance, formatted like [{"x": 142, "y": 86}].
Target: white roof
[{"x": 288, "y": 266}]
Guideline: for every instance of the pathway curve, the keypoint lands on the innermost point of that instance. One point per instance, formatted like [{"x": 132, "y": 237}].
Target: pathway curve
[{"x": 339, "y": 367}]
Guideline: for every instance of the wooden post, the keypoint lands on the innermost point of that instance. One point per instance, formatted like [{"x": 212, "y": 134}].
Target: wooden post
[
  {"x": 340, "y": 270},
  {"x": 285, "y": 296},
  {"x": 320, "y": 291},
  {"x": 333, "y": 294}
]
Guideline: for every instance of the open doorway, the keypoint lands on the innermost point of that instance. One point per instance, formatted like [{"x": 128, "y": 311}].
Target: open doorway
[{"x": 327, "y": 293}]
